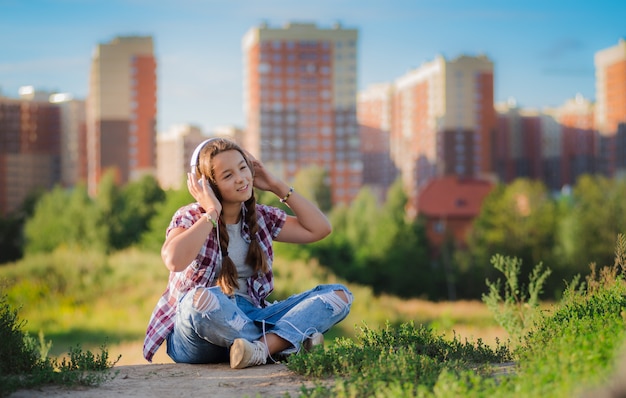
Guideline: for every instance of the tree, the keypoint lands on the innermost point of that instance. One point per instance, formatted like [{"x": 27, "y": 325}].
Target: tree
[
  {"x": 312, "y": 183},
  {"x": 12, "y": 228},
  {"x": 518, "y": 220},
  {"x": 378, "y": 246},
  {"x": 137, "y": 204},
  {"x": 597, "y": 214},
  {"x": 45, "y": 231},
  {"x": 154, "y": 235}
]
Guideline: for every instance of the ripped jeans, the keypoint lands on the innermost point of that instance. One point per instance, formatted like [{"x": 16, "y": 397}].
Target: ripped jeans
[{"x": 208, "y": 321}]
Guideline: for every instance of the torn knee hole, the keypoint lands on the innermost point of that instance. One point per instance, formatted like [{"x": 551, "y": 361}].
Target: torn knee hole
[
  {"x": 337, "y": 300},
  {"x": 205, "y": 301},
  {"x": 342, "y": 294}
]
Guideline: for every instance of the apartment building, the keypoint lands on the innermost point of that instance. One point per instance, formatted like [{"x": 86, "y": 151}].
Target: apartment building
[
  {"x": 610, "y": 109},
  {"x": 517, "y": 143},
  {"x": 578, "y": 155},
  {"x": 121, "y": 110},
  {"x": 73, "y": 149},
  {"x": 174, "y": 150},
  {"x": 443, "y": 121},
  {"x": 30, "y": 140},
  {"x": 300, "y": 102},
  {"x": 374, "y": 109}
]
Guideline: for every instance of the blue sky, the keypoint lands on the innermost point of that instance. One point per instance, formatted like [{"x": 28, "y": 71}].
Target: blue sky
[{"x": 542, "y": 50}]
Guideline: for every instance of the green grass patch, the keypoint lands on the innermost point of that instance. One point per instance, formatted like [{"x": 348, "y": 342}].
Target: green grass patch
[{"x": 567, "y": 351}]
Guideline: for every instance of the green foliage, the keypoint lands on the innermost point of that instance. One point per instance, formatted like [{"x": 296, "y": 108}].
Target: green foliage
[
  {"x": 566, "y": 352},
  {"x": 12, "y": 226},
  {"x": 518, "y": 309},
  {"x": 154, "y": 236},
  {"x": 518, "y": 220},
  {"x": 402, "y": 358},
  {"x": 86, "y": 296},
  {"x": 115, "y": 219},
  {"x": 595, "y": 215},
  {"x": 136, "y": 205},
  {"x": 24, "y": 366},
  {"x": 312, "y": 183},
  {"x": 372, "y": 243},
  {"x": 378, "y": 246},
  {"x": 17, "y": 354},
  {"x": 581, "y": 337}
]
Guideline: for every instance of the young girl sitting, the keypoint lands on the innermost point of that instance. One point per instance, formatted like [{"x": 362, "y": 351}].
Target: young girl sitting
[{"x": 219, "y": 253}]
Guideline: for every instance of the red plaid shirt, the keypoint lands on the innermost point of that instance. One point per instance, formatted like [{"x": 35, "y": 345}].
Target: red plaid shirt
[{"x": 203, "y": 270}]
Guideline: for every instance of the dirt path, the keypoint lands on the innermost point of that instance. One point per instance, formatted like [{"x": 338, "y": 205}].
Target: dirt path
[{"x": 183, "y": 380}]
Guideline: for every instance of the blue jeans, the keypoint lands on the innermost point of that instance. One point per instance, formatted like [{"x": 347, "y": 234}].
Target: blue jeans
[{"x": 208, "y": 321}]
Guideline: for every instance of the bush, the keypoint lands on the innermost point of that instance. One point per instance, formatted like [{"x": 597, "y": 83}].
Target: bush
[
  {"x": 25, "y": 363},
  {"x": 403, "y": 357},
  {"x": 18, "y": 351},
  {"x": 565, "y": 352}
]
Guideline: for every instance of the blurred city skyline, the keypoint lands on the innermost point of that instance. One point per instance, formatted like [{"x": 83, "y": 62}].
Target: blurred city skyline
[{"x": 543, "y": 52}]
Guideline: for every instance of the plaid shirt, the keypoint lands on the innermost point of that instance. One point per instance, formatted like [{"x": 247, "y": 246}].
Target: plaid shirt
[{"x": 203, "y": 270}]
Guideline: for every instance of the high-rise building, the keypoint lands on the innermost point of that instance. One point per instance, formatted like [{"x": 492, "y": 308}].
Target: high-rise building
[
  {"x": 610, "y": 119},
  {"x": 30, "y": 140},
  {"x": 443, "y": 121},
  {"x": 300, "y": 102},
  {"x": 374, "y": 109},
  {"x": 576, "y": 118},
  {"x": 174, "y": 150},
  {"x": 121, "y": 110},
  {"x": 554, "y": 146},
  {"x": 73, "y": 139},
  {"x": 518, "y": 143}
]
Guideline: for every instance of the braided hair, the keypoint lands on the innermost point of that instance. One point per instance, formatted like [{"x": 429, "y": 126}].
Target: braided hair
[{"x": 256, "y": 258}]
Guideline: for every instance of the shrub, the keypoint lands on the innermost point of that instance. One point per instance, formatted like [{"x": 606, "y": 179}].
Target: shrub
[
  {"x": 25, "y": 363},
  {"x": 403, "y": 357}
]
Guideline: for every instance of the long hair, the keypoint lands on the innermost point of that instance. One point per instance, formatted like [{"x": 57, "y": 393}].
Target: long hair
[{"x": 256, "y": 258}]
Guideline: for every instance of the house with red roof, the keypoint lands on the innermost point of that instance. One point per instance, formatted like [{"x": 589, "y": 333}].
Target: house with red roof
[{"x": 448, "y": 206}]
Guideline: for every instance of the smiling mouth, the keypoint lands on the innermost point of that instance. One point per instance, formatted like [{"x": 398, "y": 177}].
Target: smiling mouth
[{"x": 243, "y": 188}]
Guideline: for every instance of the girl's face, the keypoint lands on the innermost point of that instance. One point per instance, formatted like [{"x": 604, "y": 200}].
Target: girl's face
[{"x": 232, "y": 176}]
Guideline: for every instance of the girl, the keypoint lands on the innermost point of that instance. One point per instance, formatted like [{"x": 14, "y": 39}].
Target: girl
[{"x": 219, "y": 253}]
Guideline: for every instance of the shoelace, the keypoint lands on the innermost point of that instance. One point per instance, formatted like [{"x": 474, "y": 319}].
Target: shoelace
[
  {"x": 259, "y": 354},
  {"x": 305, "y": 335}
]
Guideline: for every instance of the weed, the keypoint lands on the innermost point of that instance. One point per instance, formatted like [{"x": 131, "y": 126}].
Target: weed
[
  {"x": 563, "y": 353},
  {"x": 404, "y": 358},
  {"x": 25, "y": 363},
  {"x": 519, "y": 309}
]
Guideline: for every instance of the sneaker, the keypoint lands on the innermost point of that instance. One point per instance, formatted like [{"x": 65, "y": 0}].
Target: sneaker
[
  {"x": 244, "y": 353},
  {"x": 316, "y": 339}
]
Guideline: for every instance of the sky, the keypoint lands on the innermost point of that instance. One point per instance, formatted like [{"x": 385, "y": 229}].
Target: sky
[{"x": 543, "y": 51}]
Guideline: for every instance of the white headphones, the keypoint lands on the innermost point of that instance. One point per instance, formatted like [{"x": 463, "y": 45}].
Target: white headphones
[
  {"x": 194, "y": 170},
  {"x": 196, "y": 154}
]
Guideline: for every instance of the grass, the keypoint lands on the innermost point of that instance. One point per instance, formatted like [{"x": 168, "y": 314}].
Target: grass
[
  {"x": 85, "y": 297},
  {"x": 26, "y": 364},
  {"x": 89, "y": 298},
  {"x": 568, "y": 351},
  {"x": 387, "y": 347}
]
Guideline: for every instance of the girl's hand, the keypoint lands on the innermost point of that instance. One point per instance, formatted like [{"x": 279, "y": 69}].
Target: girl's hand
[
  {"x": 263, "y": 179},
  {"x": 203, "y": 193}
]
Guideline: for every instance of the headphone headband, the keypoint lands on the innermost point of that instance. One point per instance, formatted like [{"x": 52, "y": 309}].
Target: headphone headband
[{"x": 196, "y": 153}]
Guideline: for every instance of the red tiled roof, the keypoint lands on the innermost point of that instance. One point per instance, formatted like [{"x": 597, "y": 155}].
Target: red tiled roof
[{"x": 453, "y": 196}]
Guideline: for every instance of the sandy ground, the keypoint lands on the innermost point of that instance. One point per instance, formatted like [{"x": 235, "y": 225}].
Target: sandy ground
[
  {"x": 136, "y": 378},
  {"x": 183, "y": 380}
]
